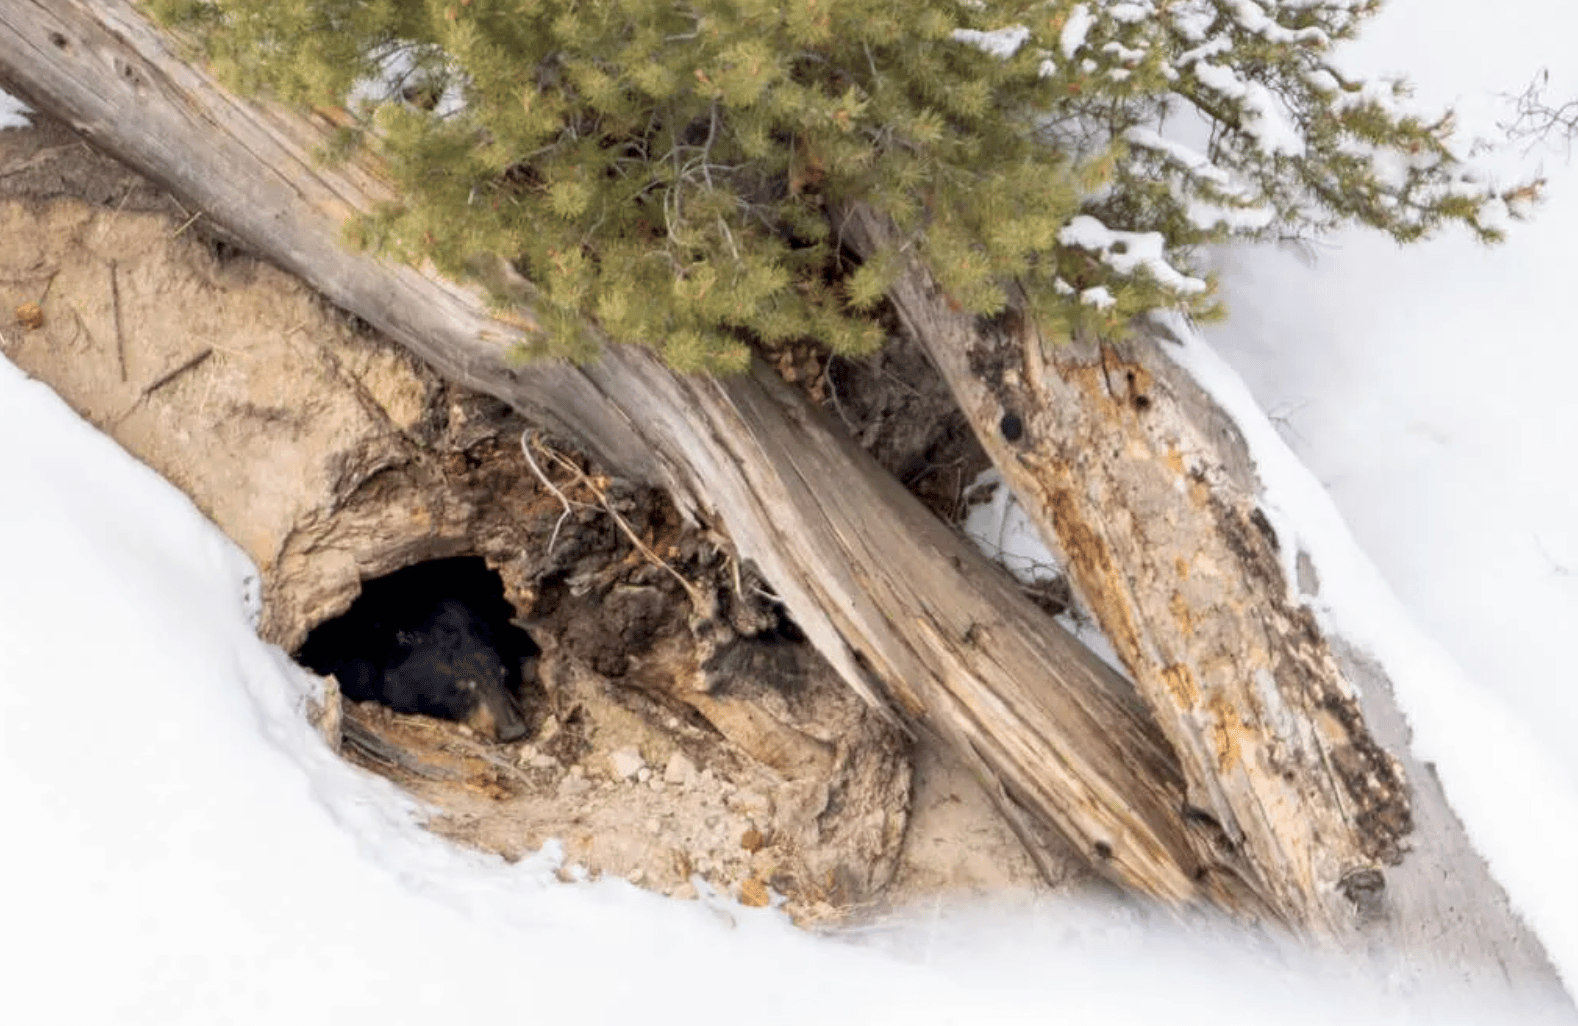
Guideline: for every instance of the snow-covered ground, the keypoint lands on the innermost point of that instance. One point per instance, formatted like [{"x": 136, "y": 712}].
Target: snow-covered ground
[
  {"x": 1429, "y": 390},
  {"x": 180, "y": 846}
]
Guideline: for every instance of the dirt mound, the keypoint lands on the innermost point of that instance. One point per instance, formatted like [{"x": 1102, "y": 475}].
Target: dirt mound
[{"x": 678, "y": 728}]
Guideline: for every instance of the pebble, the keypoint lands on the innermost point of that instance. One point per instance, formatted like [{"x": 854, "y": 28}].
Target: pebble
[
  {"x": 754, "y": 893},
  {"x": 644, "y": 774},
  {"x": 572, "y": 786},
  {"x": 625, "y": 762},
  {"x": 680, "y": 770},
  {"x": 751, "y": 803}
]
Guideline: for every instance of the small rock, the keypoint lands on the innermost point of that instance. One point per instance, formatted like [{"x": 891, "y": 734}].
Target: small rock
[
  {"x": 644, "y": 774},
  {"x": 527, "y": 753},
  {"x": 752, "y": 840},
  {"x": 751, "y": 803},
  {"x": 685, "y": 891},
  {"x": 544, "y": 761},
  {"x": 625, "y": 762},
  {"x": 753, "y": 893},
  {"x": 680, "y": 770},
  {"x": 636, "y": 875},
  {"x": 572, "y": 786}
]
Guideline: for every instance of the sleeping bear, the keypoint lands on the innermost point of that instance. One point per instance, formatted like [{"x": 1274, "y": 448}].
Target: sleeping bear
[{"x": 446, "y": 666}]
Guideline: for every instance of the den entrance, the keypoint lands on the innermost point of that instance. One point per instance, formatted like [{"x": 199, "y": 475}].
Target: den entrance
[{"x": 434, "y": 638}]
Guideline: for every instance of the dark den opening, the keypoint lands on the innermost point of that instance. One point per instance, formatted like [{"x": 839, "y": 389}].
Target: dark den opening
[{"x": 434, "y": 638}]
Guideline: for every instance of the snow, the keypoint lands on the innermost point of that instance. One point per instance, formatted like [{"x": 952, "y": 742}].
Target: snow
[
  {"x": 1079, "y": 23},
  {"x": 1001, "y": 43},
  {"x": 1125, "y": 252},
  {"x": 13, "y": 112},
  {"x": 1001, "y": 529},
  {"x": 1129, "y": 13},
  {"x": 1428, "y": 389},
  {"x": 1269, "y": 123},
  {"x": 1518, "y": 804},
  {"x": 1248, "y": 217},
  {"x": 181, "y": 847},
  {"x": 1417, "y": 440}
]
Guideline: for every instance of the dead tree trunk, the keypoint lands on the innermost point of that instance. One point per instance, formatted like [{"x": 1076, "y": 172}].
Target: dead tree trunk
[
  {"x": 910, "y": 616},
  {"x": 1165, "y": 543},
  {"x": 1147, "y": 491}
]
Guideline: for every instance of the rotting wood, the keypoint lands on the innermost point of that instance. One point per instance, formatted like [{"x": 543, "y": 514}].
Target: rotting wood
[
  {"x": 1143, "y": 484},
  {"x": 909, "y": 614},
  {"x": 372, "y": 745},
  {"x": 1182, "y": 572}
]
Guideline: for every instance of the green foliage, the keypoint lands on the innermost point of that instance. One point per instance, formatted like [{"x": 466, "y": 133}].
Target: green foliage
[{"x": 672, "y": 173}]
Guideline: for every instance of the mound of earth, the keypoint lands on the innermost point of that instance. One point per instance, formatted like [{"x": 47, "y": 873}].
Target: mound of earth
[{"x": 679, "y": 731}]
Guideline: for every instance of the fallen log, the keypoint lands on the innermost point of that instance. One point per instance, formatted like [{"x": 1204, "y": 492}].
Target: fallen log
[
  {"x": 1161, "y": 535},
  {"x": 1147, "y": 491}
]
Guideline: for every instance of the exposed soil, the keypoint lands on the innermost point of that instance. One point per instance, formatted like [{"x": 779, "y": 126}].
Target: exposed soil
[{"x": 679, "y": 729}]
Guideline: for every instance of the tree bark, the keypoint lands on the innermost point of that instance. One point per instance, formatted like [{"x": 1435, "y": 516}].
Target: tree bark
[{"x": 1281, "y": 806}]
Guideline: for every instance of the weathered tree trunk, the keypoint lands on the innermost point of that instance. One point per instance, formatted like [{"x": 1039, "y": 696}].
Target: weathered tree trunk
[
  {"x": 1282, "y": 804},
  {"x": 1162, "y": 536},
  {"x": 1148, "y": 492}
]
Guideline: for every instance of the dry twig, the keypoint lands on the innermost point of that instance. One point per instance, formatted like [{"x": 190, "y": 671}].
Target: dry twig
[
  {"x": 698, "y": 601},
  {"x": 115, "y": 308},
  {"x": 527, "y": 440}
]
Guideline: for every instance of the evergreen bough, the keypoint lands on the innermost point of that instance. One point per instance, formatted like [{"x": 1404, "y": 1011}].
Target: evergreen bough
[{"x": 673, "y": 172}]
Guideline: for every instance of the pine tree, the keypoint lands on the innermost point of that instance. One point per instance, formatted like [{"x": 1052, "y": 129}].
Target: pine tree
[{"x": 671, "y": 173}]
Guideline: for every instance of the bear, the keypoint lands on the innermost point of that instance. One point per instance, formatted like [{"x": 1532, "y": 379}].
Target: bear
[{"x": 447, "y": 667}]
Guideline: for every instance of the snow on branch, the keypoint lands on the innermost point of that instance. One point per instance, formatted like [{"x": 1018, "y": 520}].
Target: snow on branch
[{"x": 1217, "y": 119}]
